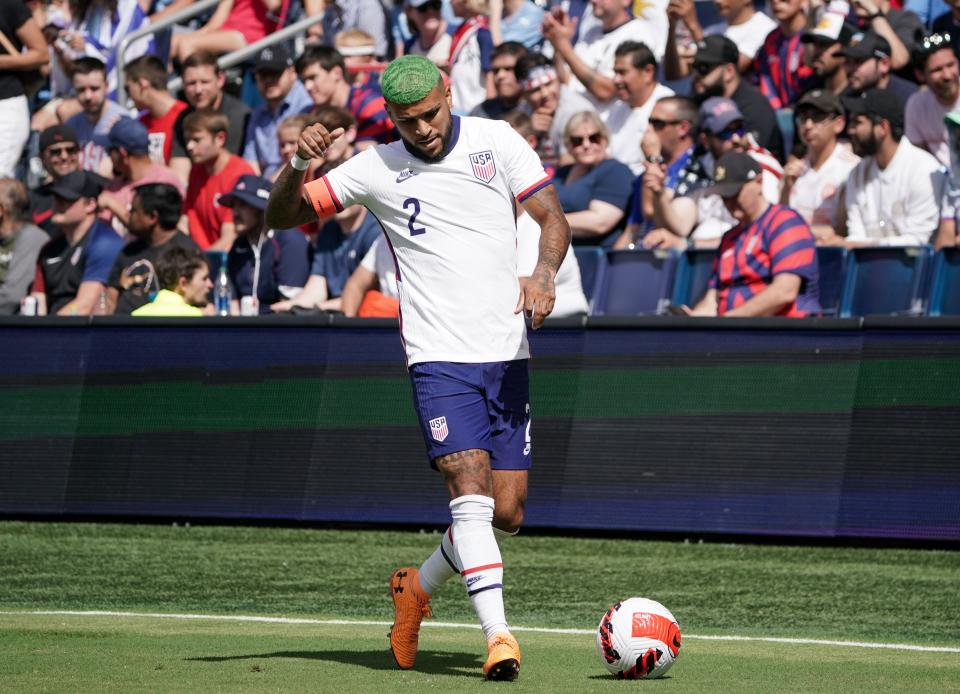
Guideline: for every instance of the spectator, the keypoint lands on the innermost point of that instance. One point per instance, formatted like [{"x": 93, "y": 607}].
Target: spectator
[
  {"x": 97, "y": 28},
  {"x": 60, "y": 154},
  {"x": 215, "y": 172},
  {"x": 742, "y": 24},
  {"x": 324, "y": 75},
  {"x": 900, "y": 28},
  {"x": 699, "y": 217},
  {"x": 288, "y": 136},
  {"x": 98, "y": 114},
  {"x": 430, "y": 37},
  {"x": 668, "y": 148},
  {"x": 926, "y": 109},
  {"x": 357, "y": 48},
  {"x": 591, "y": 59},
  {"x": 283, "y": 95},
  {"x": 767, "y": 264},
  {"x": 503, "y": 67},
  {"x": 825, "y": 41},
  {"x": 947, "y": 234},
  {"x": 74, "y": 267},
  {"x": 234, "y": 25},
  {"x": 867, "y": 64},
  {"x": 368, "y": 15},
  {"x": 269, "y": 265},
  {"x": 594, "y": 191},
  {"x": 715, "y": 74},
  {"x": 635, "y": 76},
  {"x": 470, "y": 51},
  {"x": 371, "y": 291},
  {"x": 813, "y": 185},
  {"x": 779, "y": 65},
  {"x": 154, "y": 214},
  {"x": 145, "y": 81},
  {"x": 20, "y": 244},
  {"x": 184, "y": 278},
  {"x": 949, "y": 23},
  {"x": 893, "y": 195},
  {"x": 551, "y": 104},
  {"x": 203, "y": 82},
  {"x": 520, "y": 22},
  {"x": 25, "y": 50},
  {"x": 128, "y": 145}
]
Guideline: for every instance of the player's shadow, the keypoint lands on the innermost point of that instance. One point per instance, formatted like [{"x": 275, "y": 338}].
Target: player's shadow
[{"x": 428, "y": 662}]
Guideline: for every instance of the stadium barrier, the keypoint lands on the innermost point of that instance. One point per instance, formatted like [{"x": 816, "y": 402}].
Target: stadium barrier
[{"x": 838, "y": 428}]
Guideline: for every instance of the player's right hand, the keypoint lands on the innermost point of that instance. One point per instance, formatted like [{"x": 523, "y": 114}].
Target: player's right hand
[{"x": 314, "y": 141}]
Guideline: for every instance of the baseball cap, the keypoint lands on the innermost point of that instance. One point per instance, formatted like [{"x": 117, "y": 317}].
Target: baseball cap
[
  {"x": 716, "y": 49},
  {"x": 876, "y": 102},
  {"x": 821, "y": 99},
  {"x": 77, "y": 184},
  {"x": 56, "y": 134},
  {"x": 717, "y": 112},
  {"x": 831, "y": 28},
  {"x": 417, "y": 3},
  {"x": 253, "y": 190},
  {"x": 127, "y": 133},
  {"x": 865, "y": 44},
  {"x": 273, "y": 59},
  {"x": 732, "y": 171}
]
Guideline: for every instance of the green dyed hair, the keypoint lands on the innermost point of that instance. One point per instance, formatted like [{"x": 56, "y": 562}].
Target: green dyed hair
[{"x": 409, "y": 79}]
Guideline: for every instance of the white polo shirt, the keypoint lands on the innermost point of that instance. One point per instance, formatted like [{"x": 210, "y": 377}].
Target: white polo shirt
[{"x": 816, "y": 193}]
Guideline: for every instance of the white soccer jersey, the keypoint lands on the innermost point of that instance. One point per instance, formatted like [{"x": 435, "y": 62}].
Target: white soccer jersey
[{"x": 451, "y": 227}]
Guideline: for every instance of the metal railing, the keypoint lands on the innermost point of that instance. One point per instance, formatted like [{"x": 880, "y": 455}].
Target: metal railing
[
  {"x": 237, "y": 57},
  {"x": 186, "y": 13}
]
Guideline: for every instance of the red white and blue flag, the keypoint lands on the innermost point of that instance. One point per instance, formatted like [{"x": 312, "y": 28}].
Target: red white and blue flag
[
  {"x": 484, "y": 167},
  {"x": 438, "y": 429}
]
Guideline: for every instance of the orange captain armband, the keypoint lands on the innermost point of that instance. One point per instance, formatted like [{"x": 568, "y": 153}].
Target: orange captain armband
[{"x": 322, "y": 198}]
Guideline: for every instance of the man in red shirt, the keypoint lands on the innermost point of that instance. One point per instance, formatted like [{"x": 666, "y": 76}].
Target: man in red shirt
[
  {"x": 145, "y": 80},
  {"x": 214, "y": 172}
]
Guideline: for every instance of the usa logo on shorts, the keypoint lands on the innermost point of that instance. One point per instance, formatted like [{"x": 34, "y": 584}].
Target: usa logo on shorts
[
  {"x": 484, "y": 167},
  {"x": 438, "y": 429}
]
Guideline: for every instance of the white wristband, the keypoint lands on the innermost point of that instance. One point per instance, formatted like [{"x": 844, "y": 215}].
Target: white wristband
[{"x": 298, "y": 163}]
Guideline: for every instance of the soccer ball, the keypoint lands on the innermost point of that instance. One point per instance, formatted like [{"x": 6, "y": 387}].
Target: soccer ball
[{"x": 638, "y": 638}]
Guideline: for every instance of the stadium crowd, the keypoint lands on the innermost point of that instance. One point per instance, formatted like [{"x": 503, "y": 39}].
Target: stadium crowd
[{"x": 763, "y": 134}]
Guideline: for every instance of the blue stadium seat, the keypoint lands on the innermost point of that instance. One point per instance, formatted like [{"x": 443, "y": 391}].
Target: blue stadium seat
[
  {"x": 885, "y": 281},
  {"x": 945, "y": 295},
  {"x": 832, "y": 263},
  {"x": 636, "y": 282},
  {"x": 693, "y": 275},
  {"x": 592, "y": 262}
]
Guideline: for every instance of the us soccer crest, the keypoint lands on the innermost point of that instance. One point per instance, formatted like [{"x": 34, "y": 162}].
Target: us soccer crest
[
  {"x": 483, "y": 165},
  {"x": 438, "y": 429}
]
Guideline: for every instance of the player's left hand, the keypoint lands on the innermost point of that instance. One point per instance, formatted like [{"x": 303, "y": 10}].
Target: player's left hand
[{"x": 537, "y": 296}]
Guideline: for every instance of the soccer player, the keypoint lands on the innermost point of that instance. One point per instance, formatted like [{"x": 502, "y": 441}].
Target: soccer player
[{"x": 444, "y": 195}]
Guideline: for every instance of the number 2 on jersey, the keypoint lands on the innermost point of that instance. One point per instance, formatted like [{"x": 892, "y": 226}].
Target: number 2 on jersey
[{"x": 415, "y": 204}]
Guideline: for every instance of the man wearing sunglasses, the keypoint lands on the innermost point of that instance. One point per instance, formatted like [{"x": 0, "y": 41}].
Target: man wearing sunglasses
[
  {"x": 60, "y": 154},
  {"x": 715, "y": 74},
  {"x": 925, "y": 110}
]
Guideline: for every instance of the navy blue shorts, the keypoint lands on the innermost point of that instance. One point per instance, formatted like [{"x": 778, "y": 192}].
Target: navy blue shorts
[{"x": 475, "y": 406}]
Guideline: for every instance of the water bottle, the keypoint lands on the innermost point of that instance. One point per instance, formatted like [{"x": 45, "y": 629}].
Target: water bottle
[{"x": 221, "y": 291}]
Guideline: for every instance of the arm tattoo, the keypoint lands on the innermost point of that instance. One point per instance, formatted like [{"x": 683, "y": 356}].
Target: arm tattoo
[
  {"x": 287, "y": 207},
  {"x": 544, "y": 207}
]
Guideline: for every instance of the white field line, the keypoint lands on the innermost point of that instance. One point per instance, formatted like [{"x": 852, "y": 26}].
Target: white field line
[{"x": 454, "y": 625}]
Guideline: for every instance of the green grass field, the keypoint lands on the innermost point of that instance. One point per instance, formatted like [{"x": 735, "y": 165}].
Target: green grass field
[{"x": 864, "y": 595}]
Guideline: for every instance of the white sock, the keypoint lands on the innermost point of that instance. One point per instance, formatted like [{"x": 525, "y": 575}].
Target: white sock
[
  {"x": 440, "y": 566},
  {"x": 476, "y": 552}
]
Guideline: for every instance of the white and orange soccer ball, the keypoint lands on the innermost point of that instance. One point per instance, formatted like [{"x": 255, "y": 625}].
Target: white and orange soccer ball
[{"x": 638, "y": 638}]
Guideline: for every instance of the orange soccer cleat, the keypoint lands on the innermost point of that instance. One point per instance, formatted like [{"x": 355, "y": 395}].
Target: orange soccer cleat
[
  {"x": 503, "y": 658},
  {"x": 410, "y": 606}
]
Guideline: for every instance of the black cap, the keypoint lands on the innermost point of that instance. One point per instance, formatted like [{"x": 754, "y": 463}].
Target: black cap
[
  {"x": 253, "y": 190},
  {"x": 732, "y": 171},
  {"x": 77, "y": 184},
  {"x": 866, "y": 44},
  {"x": 274, "y": 59},
  {"x": 716, "y": 49},
  {"x": 878, "y": 103},
  {"x": 821, "y": 99},
  {"x": 56, "y": 134},
  {"x": 829, "y": 30}
]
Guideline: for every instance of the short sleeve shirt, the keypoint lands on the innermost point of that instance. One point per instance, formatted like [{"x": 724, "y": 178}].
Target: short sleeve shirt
[
  {"x": 202, "y": 202},
  {"x": 451, "y": 228},
  {"x": 13, "y": 15},
  {"x": 134, "y": 272},
  {"x": 62, "y": 268}
]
